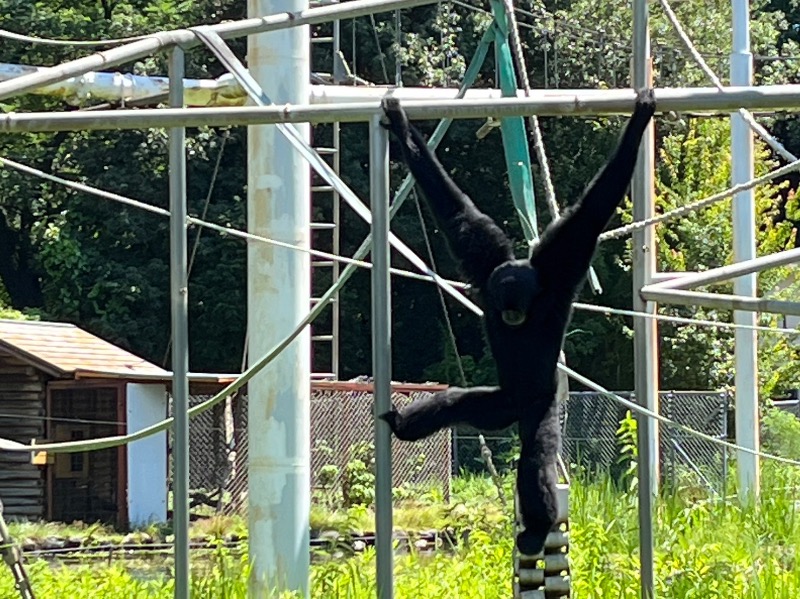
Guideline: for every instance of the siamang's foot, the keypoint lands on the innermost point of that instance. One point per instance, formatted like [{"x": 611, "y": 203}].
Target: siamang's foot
[
  {"x": 392, "y": 418},
  {"x": 645, "y": 103},
  {"x": 530, "y": 542},
  {"x": 398, "y": 425},
  {"x": 403, "y": 427}
]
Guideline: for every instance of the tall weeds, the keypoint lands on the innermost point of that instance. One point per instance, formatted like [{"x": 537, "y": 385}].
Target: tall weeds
[{"x": 705, "y": 548}]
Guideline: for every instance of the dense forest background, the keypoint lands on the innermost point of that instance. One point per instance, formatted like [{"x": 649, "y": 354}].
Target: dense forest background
[{"x": 67, "y": 256}]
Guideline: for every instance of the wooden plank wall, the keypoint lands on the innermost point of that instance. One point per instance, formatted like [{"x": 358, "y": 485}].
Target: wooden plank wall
[{"x": 22, "y": 405}]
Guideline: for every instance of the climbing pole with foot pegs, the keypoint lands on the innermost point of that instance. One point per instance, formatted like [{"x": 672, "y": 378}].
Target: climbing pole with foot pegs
[{"x": 546, "y": 575}]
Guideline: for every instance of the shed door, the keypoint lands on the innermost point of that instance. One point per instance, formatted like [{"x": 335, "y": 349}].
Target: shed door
[{"x": 85, "y": 486}]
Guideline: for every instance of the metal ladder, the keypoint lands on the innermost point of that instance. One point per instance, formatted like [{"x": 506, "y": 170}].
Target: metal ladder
[{"x": 322, "y": 196}]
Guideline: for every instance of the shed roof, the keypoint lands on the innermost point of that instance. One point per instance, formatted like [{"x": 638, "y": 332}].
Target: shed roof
[{"x": 65, "y": 350}]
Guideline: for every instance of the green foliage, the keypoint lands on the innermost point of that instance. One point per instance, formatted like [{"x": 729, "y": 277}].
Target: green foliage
[
  {"x": 476, "y": 372},
  {"x": 358, "y": 476},
  {"x": 354, "y": 485},
  {"x": 11, "y": 314},
  {"x": 327, "y": 475},
  {"x": 627, "y": 438},
  {"x": 780, "y": 432},
  {"x": 694, "y": 162},
  {"x": 98, "y": 264},
  {"x": 223, "y": 576}
]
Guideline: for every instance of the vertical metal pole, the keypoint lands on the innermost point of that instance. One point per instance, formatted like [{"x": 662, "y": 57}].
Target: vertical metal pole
[
  {"x": 744, "y": 248},
  {"x": 278, "y": 295},
  {"x": 555, "y": 55},
  {"x": 724, "y": 404},
  {"x": 336, "y": 66},
  {"x": 645, "y": 330},
  {"x": 398, "y": 67},
  {"x": 179, "y": 293},
  {"x": 381, "y": 351},
  {"x": 336, "y": 212}
]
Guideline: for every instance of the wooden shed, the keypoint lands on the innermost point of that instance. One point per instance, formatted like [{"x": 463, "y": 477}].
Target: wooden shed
[{"x": 61, "y": 383}]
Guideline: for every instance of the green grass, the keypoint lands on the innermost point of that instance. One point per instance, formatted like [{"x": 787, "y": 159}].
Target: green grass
[
  {"x": 205, "y": 529},
  {"x": 39, "y": 531},
  {"x": 704, "y": 549},
  {"x": 473, "y": 503}
]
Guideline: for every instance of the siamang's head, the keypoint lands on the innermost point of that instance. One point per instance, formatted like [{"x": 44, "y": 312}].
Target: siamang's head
[{"x": 512, "y": 289}]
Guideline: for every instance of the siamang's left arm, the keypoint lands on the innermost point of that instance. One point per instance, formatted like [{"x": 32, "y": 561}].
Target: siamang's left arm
[{"x": 565, "y": 250}]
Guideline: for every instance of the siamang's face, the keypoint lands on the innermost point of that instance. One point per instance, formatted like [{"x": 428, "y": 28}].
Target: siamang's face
[{"x": 513, "y": 287}]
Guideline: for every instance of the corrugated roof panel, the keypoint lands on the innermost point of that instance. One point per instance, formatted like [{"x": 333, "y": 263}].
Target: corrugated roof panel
[{"x": 66, "y": 348}]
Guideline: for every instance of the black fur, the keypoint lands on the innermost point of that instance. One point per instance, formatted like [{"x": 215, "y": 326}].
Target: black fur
[{"x": 527, "y": 305}]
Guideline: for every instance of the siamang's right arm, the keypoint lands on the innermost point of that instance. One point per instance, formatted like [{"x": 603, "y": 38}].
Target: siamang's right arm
[{"x": 475, "y": 240}]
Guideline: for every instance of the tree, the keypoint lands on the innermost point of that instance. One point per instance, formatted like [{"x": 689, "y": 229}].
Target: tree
[
  {"x": 98, "y": 264},
  {"x": 105, "y": 267},
  {"x": 694, "y": 162}
]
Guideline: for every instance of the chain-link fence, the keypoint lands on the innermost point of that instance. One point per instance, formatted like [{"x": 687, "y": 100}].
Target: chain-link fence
[
  {"x": 342, "y": 422},
  {"x": 589, "y": 425},
  {"x": 341, "y": 434},
  {"x": 209, "y": 452},
  {"x": 686, "y": 456},
  {"x": 590, "y": 422}
]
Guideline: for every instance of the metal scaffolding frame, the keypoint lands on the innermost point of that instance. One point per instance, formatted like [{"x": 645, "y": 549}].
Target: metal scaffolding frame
[{"x": 650, "y": 288}]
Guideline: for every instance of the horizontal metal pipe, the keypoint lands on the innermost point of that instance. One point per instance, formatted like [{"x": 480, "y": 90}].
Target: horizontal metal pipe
[
  {"x": 571, "y": 101},
  {"x": 719, "y": 301},
  {"x": 577, "y": 103},
  {"x": 226, "y": 91},
  {"x": 731, "y": 271},
  {"x": 350, "y": 94},
  {"x": 187, "y": 39}
]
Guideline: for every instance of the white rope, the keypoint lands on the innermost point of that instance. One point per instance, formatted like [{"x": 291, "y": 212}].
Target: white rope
[
  {"x": 684, "y": 320},
  {"x": 700, "y": 204},
  {"x": 114, "y": 441},
  {"x": 758, "y": 129},
  {"x": 108, "y": 195}
]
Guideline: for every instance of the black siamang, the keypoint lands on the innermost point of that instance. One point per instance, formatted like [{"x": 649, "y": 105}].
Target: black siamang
[{"x": 527, "y": 306}]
